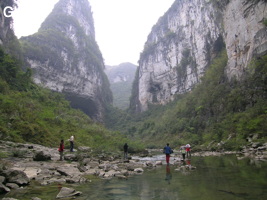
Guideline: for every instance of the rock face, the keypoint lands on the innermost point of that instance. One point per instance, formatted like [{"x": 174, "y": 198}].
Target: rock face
[
  {"x": 65, "y": 57},
  {"x": 182, "y": 44},
  {"x": 5, "y": 22},
  {"x": 121, "y": 78}
]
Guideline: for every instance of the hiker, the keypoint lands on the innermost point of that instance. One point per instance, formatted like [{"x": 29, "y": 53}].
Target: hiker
[
  {"x": 183, "y": 152},
  {"x": 125, "y": 148},
  {"x": 188, "y": 150},
  {"x": 168, "y": 151},
  {"x": 71, "y": 143},
  {"x": 61, "y": 149}
]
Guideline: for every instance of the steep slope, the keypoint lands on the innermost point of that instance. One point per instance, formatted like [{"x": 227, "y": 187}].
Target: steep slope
[
  {"x": 183, "y": 43},
  {"x": 65, "y": 57},
  {"x": 121, "y": 78}
]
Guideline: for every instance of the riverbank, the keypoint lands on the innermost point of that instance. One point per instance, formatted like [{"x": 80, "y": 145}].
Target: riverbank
[{"x": 23, "y": 163}]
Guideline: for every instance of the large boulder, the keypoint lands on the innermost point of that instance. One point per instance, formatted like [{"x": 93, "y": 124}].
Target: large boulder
[
  {"x": 71, "y": 157},
  {"x": 68, "y": 170},
  {"x": 68, "y": 192},
  {"x": 15, "y": 176},
  {"x": 41, "y": 156}
]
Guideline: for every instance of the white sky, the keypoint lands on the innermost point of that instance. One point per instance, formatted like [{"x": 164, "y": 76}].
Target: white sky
[{"x": 121, "y": 26}]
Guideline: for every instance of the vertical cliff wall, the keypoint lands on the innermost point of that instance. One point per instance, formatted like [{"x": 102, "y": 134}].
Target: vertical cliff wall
[
  {"x": 66, "y": 58},
  {"x": 182, "y": 44}
]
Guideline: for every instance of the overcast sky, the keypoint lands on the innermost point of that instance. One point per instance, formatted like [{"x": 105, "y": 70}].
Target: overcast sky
[{"x": 121, "y": 26}]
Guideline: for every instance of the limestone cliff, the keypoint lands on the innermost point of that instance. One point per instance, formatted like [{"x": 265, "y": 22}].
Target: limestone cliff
[
  {"x": 8, "y": 40},
  {"x": 184, "y": 41},
  {"x": 65, "y": 57}
]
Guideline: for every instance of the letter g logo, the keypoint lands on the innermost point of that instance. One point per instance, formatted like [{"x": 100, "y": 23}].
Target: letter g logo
[{"x": 8, "y": 11}]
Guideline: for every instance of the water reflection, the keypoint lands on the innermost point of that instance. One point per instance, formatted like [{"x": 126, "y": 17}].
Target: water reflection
[
  {"x": 225, "y": 177},
  {"x": 168, "y": 174}
]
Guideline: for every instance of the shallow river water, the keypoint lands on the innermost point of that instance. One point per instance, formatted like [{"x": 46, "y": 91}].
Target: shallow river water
[{"x": 215, "y": 178}]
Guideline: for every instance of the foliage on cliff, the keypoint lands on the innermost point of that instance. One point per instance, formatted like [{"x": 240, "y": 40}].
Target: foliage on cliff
[
  {"x": 30, "y": 113},
  {"x": 219, "y": 113}
]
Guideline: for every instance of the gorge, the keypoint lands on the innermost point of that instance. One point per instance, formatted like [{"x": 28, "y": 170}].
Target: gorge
[{"x": 184, "y": 41}]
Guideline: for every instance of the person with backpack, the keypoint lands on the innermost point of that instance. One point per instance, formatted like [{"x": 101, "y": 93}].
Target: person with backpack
[
  {"x": 168, "y": 151},
  {"x": 61, "y": 149}
]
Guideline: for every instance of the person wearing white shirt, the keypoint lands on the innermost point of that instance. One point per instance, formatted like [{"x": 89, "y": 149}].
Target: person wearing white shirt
[{"x": 71, "y": 143}]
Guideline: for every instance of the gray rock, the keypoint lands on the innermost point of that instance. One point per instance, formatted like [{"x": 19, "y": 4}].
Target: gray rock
[
  {"x": 139, "y": 170},
  {"x": 35, "y": 198},
  {"x": 12, "y": 185},
  {"x": 71, "y": 157},
  {"x": 3, "y": 189},
  {"x": 41, "y": 156},
  {"x": 68, "y": 192},
  {"x": 2, "y": 179},
  {"x": 16, "y": 176},
  {"x": 9, "y": 199},
  {"x": 69, "y": 170}
]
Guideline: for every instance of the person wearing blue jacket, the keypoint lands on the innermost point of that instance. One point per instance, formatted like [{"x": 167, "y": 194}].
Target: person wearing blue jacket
[{"x": 168, "y": 151}]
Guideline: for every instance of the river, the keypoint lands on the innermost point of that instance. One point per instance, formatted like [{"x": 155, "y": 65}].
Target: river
[{"x": 215, "y": 178}]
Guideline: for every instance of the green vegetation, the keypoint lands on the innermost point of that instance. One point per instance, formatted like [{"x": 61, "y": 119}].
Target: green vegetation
[
  {"x": 217, "y": 111},
  {"x": 30, "y": 113}
]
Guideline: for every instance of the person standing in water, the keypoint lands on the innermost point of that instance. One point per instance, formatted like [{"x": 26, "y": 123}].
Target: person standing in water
[
  {"x": 168, "y": 151},
  {"x": 188, "y": 150},
  {"x": 183, "y": 152}
]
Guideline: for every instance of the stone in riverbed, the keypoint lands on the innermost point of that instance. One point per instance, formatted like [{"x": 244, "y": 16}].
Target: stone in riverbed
[
  {"x": 3, "y": 189},
  {"x": 16, "y": 176},
  {"x": 12, "y": 185},
  {"x": 139, "y": 170},
  {"x": 41, "y": 156},
  {"x": 68, "y": 192}
]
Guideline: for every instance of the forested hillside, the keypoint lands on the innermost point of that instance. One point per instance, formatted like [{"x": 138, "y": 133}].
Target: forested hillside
[
  {"x": 30, "y": 113},
  {"x": 217, "y": 114}
]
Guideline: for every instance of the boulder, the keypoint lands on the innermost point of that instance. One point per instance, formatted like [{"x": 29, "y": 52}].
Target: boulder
[
  {"x": 35, "y": 198},
  {"x": 12, "y": 185},
  {"x": 2, "y": 179},
  {"x": 159, "y": 162},
  {"x": 68, "y": 170},
  {"x": 68, "y": 192},
  {"x": 3, "y": 189},
  {"x": 70, "y": 157},
  {"x": 16, "y": 176},
  {"x": 41, "y": 156},
  {"x": 138, "y": 170}
]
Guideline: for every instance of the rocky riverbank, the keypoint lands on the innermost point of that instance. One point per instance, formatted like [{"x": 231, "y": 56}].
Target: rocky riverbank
[{"x": 22, "y": 163}]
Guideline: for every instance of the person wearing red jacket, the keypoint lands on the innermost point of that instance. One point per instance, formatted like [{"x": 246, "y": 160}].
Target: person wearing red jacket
[{"x": 61, "y": 149}]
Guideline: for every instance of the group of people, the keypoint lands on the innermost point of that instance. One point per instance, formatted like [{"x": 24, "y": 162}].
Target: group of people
[
  {"x": 185, "y": 150},
  {"x": 61, "y": 146}
]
